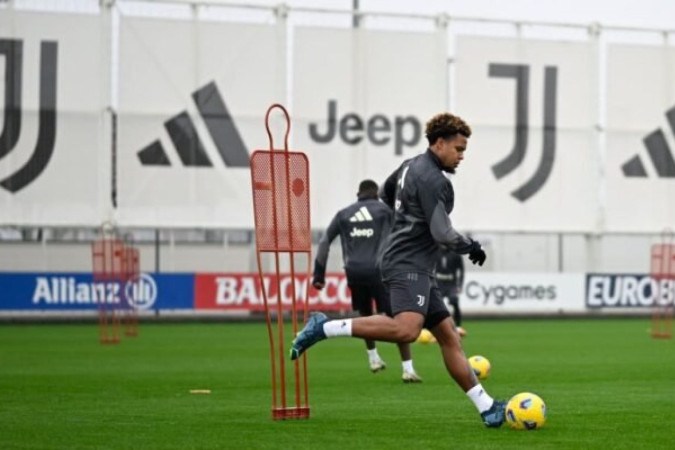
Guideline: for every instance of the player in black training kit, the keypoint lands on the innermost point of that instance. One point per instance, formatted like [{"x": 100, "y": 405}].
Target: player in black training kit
[
  {"x": 450, "y": 278},
  {"x": 423, "y": 199},
  {"x": 363, "y": 227}
]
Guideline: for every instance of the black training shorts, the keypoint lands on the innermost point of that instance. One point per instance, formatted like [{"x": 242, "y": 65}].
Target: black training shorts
[
  {"x": 363, "y": 295},
  {"x": 417, "y": 292}
]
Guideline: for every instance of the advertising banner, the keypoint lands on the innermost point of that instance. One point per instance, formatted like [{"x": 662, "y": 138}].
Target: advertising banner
[
  {"x": 532, "y": 163},
  {"x": 640, "y": 156},
  {"x": 193, "y": 97},
  {"x": 623, "y": 291},
  {"x": 361, "y": 99},
  {"x": 37, "y": 292},
  {"x": 488, "y": 293},
  {"x": 234, "y": 294},
  {"x": 54, "y": 90},
  {"x": 522, "y": 293},
  {"x": 242, "y": 291}
]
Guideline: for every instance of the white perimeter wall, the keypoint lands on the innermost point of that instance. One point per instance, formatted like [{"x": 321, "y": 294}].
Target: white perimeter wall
[{"x": 506, "y": 253}]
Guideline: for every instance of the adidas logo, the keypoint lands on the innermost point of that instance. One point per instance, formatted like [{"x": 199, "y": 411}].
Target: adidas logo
[
  {"x": 659, "y": 153},
  {"x": 362, "y": 215},
  {"x": 186, "y": 141}
]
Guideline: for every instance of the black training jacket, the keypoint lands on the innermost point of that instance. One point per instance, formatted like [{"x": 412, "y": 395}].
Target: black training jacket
[
  {"x": 363, "y": 227},
  {"x": 422, "y": 198}
]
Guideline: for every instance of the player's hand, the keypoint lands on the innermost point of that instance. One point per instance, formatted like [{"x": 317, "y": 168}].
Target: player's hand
[
  {"x": 318, "y": 284},
  {"x": 319, "y": 276},
  {"x": 477, "y": 254}
]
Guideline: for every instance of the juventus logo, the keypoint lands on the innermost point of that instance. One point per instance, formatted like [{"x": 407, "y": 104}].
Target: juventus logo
[
  {"x": 521, "y": 73},
  {"x": 12, "y": 51}
]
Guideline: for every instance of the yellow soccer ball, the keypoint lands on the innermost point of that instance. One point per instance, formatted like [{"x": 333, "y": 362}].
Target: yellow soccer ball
[
  {"x": 481, "y": 366},
  {"x": 526, "y": 411},
  {"x": 425, "y": 337}
]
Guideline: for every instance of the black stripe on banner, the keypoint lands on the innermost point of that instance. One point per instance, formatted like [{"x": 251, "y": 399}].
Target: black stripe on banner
[
  {"x": 660, "y": 154},
  {"x": 154, "y": 155},
  {"x": 184, "y": 137},
  {"x": 221, "y": 126}
]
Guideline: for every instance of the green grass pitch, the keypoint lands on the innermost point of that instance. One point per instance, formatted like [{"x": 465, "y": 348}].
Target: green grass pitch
[{"x": 606, "y": 384}]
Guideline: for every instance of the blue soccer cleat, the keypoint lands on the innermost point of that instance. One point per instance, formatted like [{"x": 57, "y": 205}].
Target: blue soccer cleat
[
  {"x": 494, "y": 417},
  {"x": 310, "y": 335}
]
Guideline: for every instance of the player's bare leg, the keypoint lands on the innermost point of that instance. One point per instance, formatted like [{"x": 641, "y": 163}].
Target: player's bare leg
[
  {"x": 409, "y": 375},
  {"x": 405, "y": 328},
  {"x": 491, "y": 411},
  {"x": 453, "y": 355},
  {"x": 409, "y": 322},
  {"x": 375, "y": 362},
  {"x": 402, "y": 329}
]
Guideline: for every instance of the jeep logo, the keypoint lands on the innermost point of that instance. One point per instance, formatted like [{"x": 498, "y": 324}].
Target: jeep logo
[
  {"x": 362, "y": 232},
  {"x": 378, "y": 129}
]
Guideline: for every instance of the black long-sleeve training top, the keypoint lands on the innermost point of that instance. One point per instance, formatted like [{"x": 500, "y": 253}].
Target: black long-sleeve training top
[
  {"x": 363, "y": 227},
  {"x": 422, "y": 199}
]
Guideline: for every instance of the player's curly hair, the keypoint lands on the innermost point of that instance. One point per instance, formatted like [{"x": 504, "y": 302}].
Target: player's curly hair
[{"x": 446, "y": 125}]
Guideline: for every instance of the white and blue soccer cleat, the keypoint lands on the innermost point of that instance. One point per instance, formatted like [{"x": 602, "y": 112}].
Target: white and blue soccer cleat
[
  {"x": 309, "y": 335},
  {"x": 494, "y": 417}
]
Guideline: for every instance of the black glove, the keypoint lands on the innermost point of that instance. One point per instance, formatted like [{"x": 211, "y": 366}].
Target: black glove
[{"x": 477, "y": 254}]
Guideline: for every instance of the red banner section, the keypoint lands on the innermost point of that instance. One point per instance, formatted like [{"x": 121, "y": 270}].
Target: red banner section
[{"x": 243, "y": 292}]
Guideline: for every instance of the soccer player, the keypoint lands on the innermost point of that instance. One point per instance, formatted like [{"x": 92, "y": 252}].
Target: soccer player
[
  {"x": 450, "y": 277},
  {"x": 423, "y": 199},
  {"x": 363, "y": 227}
]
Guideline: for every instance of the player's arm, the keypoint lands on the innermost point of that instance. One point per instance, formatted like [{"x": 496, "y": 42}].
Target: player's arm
[
  {"x": 319, "y": 276},
  {"x": 432, "y": 200},
  {"x": 388, "y": 189},
  {"x": 460, "y": 272},
  {"x": 385, "y": 224}
]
